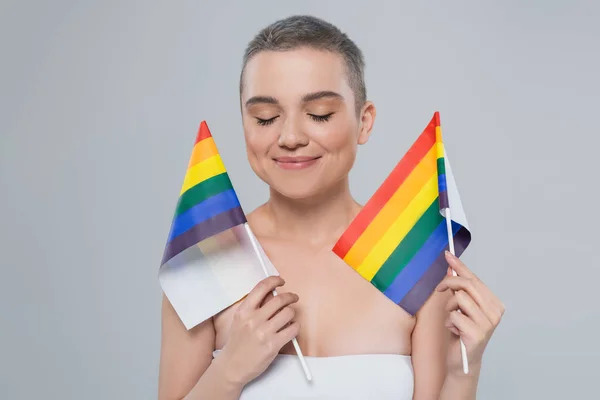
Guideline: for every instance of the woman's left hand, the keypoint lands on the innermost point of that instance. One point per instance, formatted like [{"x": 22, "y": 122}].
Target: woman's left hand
[{"x": 480, "y": 313}]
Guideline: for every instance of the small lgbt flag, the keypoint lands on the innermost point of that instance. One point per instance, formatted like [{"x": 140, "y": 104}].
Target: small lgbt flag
[
  {"x": 397, "y": 241},
  {"x": 209, "y": 261}
]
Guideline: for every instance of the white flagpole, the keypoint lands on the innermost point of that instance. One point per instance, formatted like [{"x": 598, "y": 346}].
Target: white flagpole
[
  {"x": 463, "y": 349},
  {"x": 264, "y": 267}
]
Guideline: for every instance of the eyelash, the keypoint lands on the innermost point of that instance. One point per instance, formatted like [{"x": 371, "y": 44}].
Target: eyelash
[
  {"x": 317, "y": 118},
  {"x": 321, "y": 118},
  {"x": 264, "y": 122}
]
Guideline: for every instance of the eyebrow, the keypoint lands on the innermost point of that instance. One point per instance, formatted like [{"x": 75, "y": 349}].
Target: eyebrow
[{"x": 305, "y": 99}]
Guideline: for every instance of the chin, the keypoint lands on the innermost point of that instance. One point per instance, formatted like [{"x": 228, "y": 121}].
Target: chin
[{"x": 297, "y": 191}]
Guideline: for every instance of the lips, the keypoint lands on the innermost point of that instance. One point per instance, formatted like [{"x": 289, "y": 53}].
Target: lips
[
  {"x": 296, "y": 162},
  {"x": 295, "y": 159}
]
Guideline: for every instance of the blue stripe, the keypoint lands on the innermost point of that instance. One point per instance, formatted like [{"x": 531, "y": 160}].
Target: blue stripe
[
  {"x": 442, "y": 183},
  {"x": 209, "y": 208},
  {"x": 418, "y": 265}
]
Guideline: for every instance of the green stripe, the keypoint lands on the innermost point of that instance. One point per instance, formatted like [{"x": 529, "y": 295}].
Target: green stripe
[
  {"x": 441, "y": 166},
  {"x": 409, "y": 246},
  {"x": 202, "y": 191}
]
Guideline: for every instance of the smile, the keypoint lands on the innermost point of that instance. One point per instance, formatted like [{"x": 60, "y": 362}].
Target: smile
[{"x": 295, "y": 162}]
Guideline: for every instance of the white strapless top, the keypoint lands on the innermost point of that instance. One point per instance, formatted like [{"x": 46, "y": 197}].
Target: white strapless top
[{"x": 352, "y": 377}]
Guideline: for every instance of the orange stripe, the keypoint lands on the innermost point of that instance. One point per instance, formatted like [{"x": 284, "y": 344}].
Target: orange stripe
[
  {"x": 413, "y": 184},
  {"x": 202, "y": 150}
]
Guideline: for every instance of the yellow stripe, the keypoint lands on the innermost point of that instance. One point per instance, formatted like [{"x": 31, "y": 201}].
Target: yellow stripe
[
  {"x": 401, "y": 226},
  {"x": 438, "y": 142},
  {"x": 396, "y": 204},
  {"x": 202, "y": 171},
  {"x": 204, "y": 149},
  {"x": 440, "y": 150}
]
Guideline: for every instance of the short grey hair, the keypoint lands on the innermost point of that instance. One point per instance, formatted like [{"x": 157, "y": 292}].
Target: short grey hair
[{"x": 308, "y": 31}]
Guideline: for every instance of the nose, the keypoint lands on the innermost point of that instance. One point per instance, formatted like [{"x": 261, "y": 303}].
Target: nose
[{"x": 292, "y": 135}]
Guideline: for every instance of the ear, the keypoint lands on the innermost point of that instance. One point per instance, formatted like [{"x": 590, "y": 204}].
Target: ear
[{"x": 367, "y": 120}]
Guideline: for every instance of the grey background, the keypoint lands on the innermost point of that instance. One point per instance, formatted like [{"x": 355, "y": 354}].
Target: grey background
[{"x": 99, "y": 109}]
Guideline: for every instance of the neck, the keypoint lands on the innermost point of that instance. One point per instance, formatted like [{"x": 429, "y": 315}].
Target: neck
[{"x": 317, "y": 220}]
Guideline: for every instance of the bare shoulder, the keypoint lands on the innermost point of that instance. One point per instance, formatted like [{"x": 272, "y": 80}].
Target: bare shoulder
[
  {"x": 185, "y": 354},
  {"x": 258, "y": 221}
]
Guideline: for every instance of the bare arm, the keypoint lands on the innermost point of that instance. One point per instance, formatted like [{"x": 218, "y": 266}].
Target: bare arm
[
  {"x": 462, "y": 307},
  {"x": 261, "y": 326},
  {"x": 186, "y": 369},
  {"x": 430, "y": 343}
]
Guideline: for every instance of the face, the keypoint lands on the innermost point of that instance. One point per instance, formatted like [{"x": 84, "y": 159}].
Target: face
[{"x": 300, "y": 123}]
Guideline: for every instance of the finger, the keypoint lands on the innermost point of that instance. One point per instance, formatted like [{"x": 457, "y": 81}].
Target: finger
[
  {"x": 454, "y": 330},
  {"x": 493, "y": 299},
  {"x": 281, "y": 319},
  {"x": 268, "y": 297},
  {"x": 487, "y": 301},
  {"x": 472, "y": 311},
  {"x": 286, "y": 334},
  {"x": 277, "y": 303},
  {"x": 462, "y": 270},
  {"x": 460, "y": 267},
  {"x": 457, "y": 283},
  {"x": 465, "y": 325},
  {"x": 451, "y": 326},
  {"x": 467, "y": 306},
  {"x": 452, "y": 304},
  {"x": 258, "y": 293}
]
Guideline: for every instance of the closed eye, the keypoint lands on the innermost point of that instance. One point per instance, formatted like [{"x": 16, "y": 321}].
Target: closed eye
[
  {"x": 264, "y": 122},
  {"x": 321, "y": 118}
]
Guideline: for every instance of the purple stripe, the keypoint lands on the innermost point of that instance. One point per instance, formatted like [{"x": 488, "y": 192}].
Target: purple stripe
[
  {"x": 443, "y": 199},
  {"x": 420, "y": 292},
  {"x": 206, "y": 229}
]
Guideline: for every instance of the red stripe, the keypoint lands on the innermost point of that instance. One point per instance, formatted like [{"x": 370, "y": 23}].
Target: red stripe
[
  {"x": 436, "y": 118},
  {"x": 402, "y": 170},
  {"x": 203, "y": 132}
]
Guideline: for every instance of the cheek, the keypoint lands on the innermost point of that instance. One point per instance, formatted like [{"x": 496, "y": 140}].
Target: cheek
[
  {"x": 256, "y": 143},
  {"x": 338, "y": 139}
]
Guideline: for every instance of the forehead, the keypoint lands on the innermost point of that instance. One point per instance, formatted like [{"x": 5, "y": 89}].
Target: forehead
[{"x": 291, "y": 74}]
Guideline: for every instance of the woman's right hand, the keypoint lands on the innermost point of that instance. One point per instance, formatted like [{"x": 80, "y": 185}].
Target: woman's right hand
[{"x": 258, "y": 331}]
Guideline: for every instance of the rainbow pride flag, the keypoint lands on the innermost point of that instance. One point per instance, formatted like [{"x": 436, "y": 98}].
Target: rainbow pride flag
[
  {"x": 209, "y": 262},
  {"x": 398, "y": 239}
]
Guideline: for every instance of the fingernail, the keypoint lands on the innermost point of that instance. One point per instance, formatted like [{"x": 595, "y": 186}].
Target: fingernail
[{"x": 449, "y": 254}]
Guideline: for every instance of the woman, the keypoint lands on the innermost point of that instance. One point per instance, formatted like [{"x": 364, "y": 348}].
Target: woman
[{"x": 304, "y": 111}]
